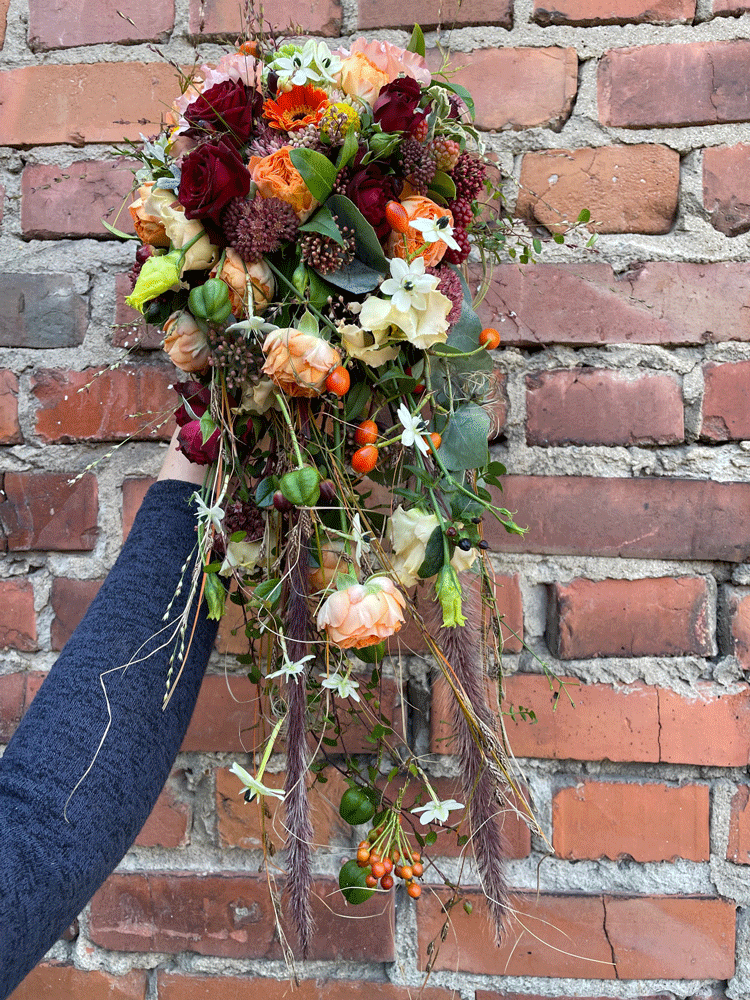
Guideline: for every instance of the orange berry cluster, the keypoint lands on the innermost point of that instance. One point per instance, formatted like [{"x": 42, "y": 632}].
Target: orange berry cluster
[{"x": 384, "y": 867}]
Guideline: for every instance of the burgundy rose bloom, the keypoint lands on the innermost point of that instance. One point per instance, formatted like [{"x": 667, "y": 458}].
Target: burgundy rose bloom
[
  {"x": 190, "y": 443},
  {"x": 196, "y": 396},
  {"x": 212, "y": 175},
  {"x": 225, "y": 107},
  {"x": 371, "y": 189},
  {"x": 397, "y": 106}
]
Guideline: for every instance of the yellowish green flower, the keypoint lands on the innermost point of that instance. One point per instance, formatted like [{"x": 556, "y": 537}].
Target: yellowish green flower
[{"x": 158, "y": 275}]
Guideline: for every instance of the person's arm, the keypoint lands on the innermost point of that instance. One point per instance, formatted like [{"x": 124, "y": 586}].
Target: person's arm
[{"x": 72, "y": 799}]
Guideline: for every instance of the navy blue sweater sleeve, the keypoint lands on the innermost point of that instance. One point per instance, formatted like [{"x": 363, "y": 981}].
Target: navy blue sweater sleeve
[{"x": 53, "y": 858}]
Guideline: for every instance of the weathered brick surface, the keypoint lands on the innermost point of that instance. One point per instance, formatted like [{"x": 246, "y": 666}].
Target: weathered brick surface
[
  {"x": 729, "y": 7},
  {"x": 17, "y": 617},
  {"x": 738, "y": 844},
  {"x": 178, "y": 987},
  {"x": 104, "y": 405},
  {"x": 372, "y": 14},
  {"x": 43, "y": 511},
  {"x": 12, "y": 694},
  {"x": 170, "y": 820},
  {"x": 590, "y": 12},
  {"x": 689, "y": 726},
  {"x": 10, "y": 429},
  {"x": 530, "y": 87},
  {"x": 646, "y": 822},
  {"x": 60, "y": 24},
  {"x": 229, "y": 915},
  {"x": 60, "y": 202},
  {"x": 648, "y": 518},
  {"x": 219, "y": 17},
  {"x": 627, "y": 189},
  {"x": 40, "y": 310},
  {"x": 69, "y": 600},
  {"x": 129, "y": 328},
  {"x": 4, "y": 4},
  {"x": 639, "y": 937},
  {"x": 654, "y": 617},
  {"x": 133, "y": 492},
  {"x": 62, "y": 982},
  {"x": 78, "y": 103},
  {"x": 726, "y": 188},
  {"x": 658, "y": 302},
  {"x": 597, "y": 406},
  {"x": 736, "y": 626},
  {"x": 725, "y": 409},
  {"x": 701, "y": 83}
]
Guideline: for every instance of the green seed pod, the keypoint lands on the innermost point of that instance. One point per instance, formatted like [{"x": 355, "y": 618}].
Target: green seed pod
[
  {"x": 210, "y": 301},
  {"x": 301, "y": 487}
]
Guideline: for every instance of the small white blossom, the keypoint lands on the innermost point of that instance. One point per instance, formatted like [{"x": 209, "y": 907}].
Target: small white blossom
[
  {"x": 325, "y": 61},
  {"x": 298, "y": 68},
  {"x": 344, "y": 686},
  {"x": 414, "y": 428},
  {"x": 209, "y": 515},
  {"x": 437, "y": 811},
  {"x": 407, "y": 284},
  {"x": 289, "y": 669},
  {"x": 252, "y": 786},
  {"x": 433, "y": 230}
]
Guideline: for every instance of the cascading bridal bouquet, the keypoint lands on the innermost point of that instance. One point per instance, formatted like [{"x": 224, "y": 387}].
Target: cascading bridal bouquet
[{"x": 304, "y": 215}]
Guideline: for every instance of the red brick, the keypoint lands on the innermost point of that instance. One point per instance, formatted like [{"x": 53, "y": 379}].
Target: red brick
[
  {"x": 701, "y": 83},
  {"x": 589, "y": 12},
  {"x": 17, "y": 616},
  {"x": 627, "y": 189},
  {"x": 129, "y": 328},
  {"x": 689, "y": 726},
  {"x": 725, "y": 412},
  {"x": 77, "y": 103},
  {"x": 42, "y": 510},
  {"x": 738, "y": 844},
  {"x": 576, "y": 936},
  {"x": 729, "y": 7},
  {"x": 12, "y": 693},
  {"x": 176, "y": 987},
  {"x": 229, "y": 915},
  {"x": 737, "y": 626},
  {"x": 530, "y": 87},
  {"x": 40, "y": 310},
  {"x": 170, "y": 820},
  {"x": 220, "y": 17},
  {"x": 10, "y": 429},
  {"x": 61, "y": 202},
  {"x": 133, "y": 492},
  {"x": 660, "y": 302},
  {"x": 647, "y": 822},
  {"x": 63, "y": 982},
  {"x": 726, "y": 188},
  {"x": 4, "y": 4},
  {"x": 650, "y": 518},
  {"x": 654, "y": 617},
  {"x": 428, "y": 14},
  {"x": 597, "y": 406},
  {"x": 132, "y": 402},
  {"x": 58, "y": 24},
  {"x": 70, "y": 600}
]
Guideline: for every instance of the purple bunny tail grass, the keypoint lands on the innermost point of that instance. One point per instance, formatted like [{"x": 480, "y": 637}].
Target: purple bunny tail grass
[
  {"x": 461, "y": 648},
  {"x": 297, "y": 806}
]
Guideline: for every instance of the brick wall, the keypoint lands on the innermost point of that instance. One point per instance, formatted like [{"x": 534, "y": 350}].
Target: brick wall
[{"x": 626, "y": 374}]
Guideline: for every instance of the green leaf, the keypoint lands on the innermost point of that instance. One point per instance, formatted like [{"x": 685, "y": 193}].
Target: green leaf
[
  {"x": 464, "y": 336},
  {"x": 308, "y": 324},
  {"x": 323, "y": 222},
  {"x": 464, "y": 444},
  {"x": 537, "y": 244},
  {"x": 356, "y": 400},
  {"x": 584, "y": 215},
  {"x": 462, "y": 92},
  {"x": 348, "y": 150},
  {"x": 368, "y": 250},
  {"x": 207, "y": 426},
  {"x": 430, "y": 838},
  {"x": 416, "y": 42},
  {"x": 558, "y": 238},
  {"x": 356, "y": 278},
  {"x": 238, "y": 536},
  {"x": 443, "y": 185},
  {"x": 318, "y": 173},
  {"x": 118, "y": 232},
  {"x": 264, "y": 492},
  {"x": 434, "y": 555},
  {"x": 269, "y": 591},
  {"x": 215, "y": 596}
]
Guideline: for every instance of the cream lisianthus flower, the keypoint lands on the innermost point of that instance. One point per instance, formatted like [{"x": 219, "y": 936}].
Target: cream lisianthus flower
[
  {"x": 409, "y": 532},
  {"x": 162, "y": 204},
  {"x": 241, "y": 556},
  {"x": 258, "y": 399},
  {"x": 369, "y": 346},
  {"x": 421, "y": 327}
]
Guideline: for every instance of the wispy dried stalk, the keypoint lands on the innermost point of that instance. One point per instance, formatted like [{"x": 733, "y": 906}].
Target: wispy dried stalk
[
  {"x": 299, "y": 828},
  {"x": 462, "y": 649}
]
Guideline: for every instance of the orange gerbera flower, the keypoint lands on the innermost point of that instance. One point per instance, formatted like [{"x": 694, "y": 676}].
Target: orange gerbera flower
[{"x": 299, "y": 107}]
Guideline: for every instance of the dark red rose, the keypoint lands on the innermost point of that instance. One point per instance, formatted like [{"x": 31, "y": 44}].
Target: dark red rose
[
  {"x": 190, "y": 443},
  {"x": 371, "y": 189},
  {"x": 212, "y": 175},
  {"x": 196, "y": 398},
  {"x": 396, "y": 108},
  {"x": 225, "y": 107}
]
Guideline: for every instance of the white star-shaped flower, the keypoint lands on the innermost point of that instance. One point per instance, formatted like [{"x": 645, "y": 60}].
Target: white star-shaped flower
[
  {"x": 252, "y": 786},
  {"x": 408, "y": 283},
  {"x": 437, "y": 811},
  {"x": 298, "y": 68},
  {"x": 414, "y": 428},
  {"x": 324, "y": 61},
  {"x": 343, "y": 685},
  {"x": 290, "y": 669},
  {"x": 433, "y": 230},
  {"x": 209, "y": 515}
]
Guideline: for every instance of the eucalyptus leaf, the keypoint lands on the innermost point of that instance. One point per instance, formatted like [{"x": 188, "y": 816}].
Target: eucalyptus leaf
[
  {"x": 356, "y": 278},
  {"x": 356, "y": 399},
  {"x": 264, "y": 492},
  {"x": 368, "y": 248},
  {"x": 434, "y": 555},
  {"x": 464, "y": 444},
  {"x": 323, "y": 222},
  {"x": 317, "y": 171}
]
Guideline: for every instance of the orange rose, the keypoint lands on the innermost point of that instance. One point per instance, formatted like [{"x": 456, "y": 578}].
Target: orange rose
[
  {"x": 240, "y": 277},
  {"x": 277, "y": 177},
  {"x": 149, "y": 228},
  {"x": 363, "y": 614},
  {"x": 297, "y": 362},
  {"x": 185, "y": 343},
  {"x": 419, "y": 207},
  {"x": 360, "y": 77},
  {"x": 334, "y": 559}
]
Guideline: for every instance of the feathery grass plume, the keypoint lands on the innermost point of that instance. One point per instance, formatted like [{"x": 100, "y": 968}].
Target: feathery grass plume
[
  {"x": 461, "y": 647},
  {"x": 299, "y": 828}
]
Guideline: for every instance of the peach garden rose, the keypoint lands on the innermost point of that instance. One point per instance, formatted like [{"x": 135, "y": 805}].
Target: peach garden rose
[
  {"x": 363, "y": 614},
  {"x": 186, "y": 343},
  {"x": 277, "y": 177},
  {"x": 298, "y": 362}
]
